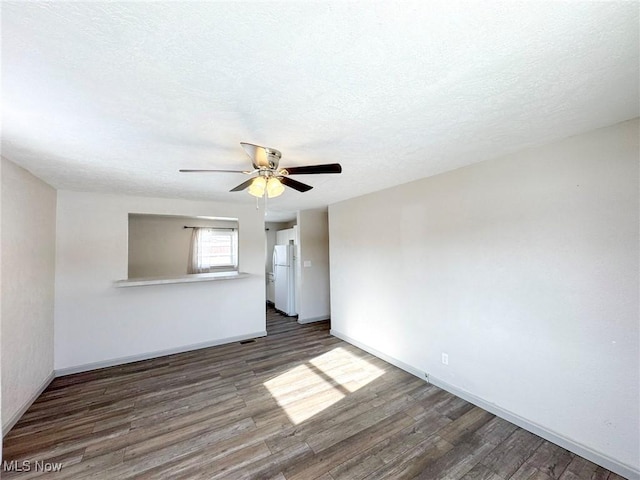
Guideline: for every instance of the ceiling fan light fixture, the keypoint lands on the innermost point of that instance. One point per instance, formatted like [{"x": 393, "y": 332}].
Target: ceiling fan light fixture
[
  {"x": 257, "y": 187},
  {"x": 274, "y": 187},
  {"x": 271, "y": 179}
]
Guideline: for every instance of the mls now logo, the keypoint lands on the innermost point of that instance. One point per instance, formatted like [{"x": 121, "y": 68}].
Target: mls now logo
[{"x": 29, "y": 466}]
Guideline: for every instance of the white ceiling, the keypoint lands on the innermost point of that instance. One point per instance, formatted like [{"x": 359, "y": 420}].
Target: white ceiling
[{"x": 116, "y": 97}]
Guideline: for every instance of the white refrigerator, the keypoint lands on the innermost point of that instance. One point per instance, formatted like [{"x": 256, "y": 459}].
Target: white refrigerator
[{"x": 284, "y": 276}]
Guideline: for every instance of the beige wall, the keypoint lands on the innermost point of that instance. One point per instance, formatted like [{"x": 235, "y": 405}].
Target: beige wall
[
  {"x": 313, "y": 229},
  {"x": 524, "y": 270},
  {"x": 28, "y": 264}
]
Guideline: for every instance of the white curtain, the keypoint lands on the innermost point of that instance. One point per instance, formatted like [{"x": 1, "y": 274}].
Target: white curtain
[{"x": 194, "y": 252}]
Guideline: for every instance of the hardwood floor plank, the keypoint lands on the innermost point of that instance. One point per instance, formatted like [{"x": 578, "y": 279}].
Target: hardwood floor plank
[
  {"x": 93, "y": 467},
  {"x": 356, "y": 468},
  {"x": 454, "y": 407},
  {"x": 297, "y": 404},
  {"x": 580, "y": 468},
  {"x": 613, "y": 476},
  {"x": 273, "y": 465},
  {"x": 551, "y": 459},
  {"x": 187, "y": 435},
  {"x": 189, "y": 424},
  {"x": 456, "y": 462},
  {"x": 408, "y": 438},
  {"x": 210, "y": 401},
  {"x": 350, "y": 446},
  {"x": 467, "y": 424},
  {"x": 175, "y": 460},
  {"x": 62, "y": 423},
  {"x": 495, "y": 431},
  {"x": 528, "y": 472},
  {"x": 37, "y": 448},
  {"x": 68, "y": 460},
  {"x": 348, "y": 409},
  {"x": 481, "y": 472},
  {"x": 229, "y": 465},
  {"x": 511, "y": 454},
  {"x": 412, "y": 462},
  {"x": 329, "y": 437}
]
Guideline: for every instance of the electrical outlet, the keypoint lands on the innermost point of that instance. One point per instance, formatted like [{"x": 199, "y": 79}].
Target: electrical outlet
[
  {"x": 426, "y": 377},
  {"x": 445, "y": 358}
]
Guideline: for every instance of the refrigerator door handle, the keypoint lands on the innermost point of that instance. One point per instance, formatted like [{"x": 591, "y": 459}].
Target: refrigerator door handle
[{"x": 275, "y": 259}]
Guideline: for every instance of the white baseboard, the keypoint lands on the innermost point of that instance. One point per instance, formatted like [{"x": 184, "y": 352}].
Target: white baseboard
[
  {"x": 576, "y": 447},
  {"x": 158, "y": 353},
  {"x": 313, "y": 319},
  {"x": 9, "y": 424}
]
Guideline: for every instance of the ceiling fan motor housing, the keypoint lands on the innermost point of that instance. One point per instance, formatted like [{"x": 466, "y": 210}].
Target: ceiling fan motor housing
[{"x": 267, "y": 158}]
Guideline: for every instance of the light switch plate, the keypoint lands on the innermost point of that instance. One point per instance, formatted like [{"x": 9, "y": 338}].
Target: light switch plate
[{"x": 307, "y": 263}]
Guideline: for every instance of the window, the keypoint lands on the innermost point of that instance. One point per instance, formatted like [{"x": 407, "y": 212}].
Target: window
[
  {"x": 168, "y": 246},
  {"x": 214, "y": 250}
]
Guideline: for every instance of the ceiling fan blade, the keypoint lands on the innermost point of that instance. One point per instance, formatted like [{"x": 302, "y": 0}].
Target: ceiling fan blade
[
  {"x": 296, "y": 185},
  {"x": 257, "y": 154},
  {"x": 185, "y": 170},
  {"x": 262, "y": 156},
  {"x": 313, "y": 169},
  {"x": 242, "y": 186}
]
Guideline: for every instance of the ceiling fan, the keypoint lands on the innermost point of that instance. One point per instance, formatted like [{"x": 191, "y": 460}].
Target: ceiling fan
[{"x": 271, "y": 179}]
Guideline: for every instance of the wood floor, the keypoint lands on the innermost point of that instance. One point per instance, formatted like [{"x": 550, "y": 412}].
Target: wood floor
[{"x": 298, "y": 404}]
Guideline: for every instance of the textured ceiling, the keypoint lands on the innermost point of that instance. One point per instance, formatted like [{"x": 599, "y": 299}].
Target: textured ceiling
[{"x": 116, "y": 97}]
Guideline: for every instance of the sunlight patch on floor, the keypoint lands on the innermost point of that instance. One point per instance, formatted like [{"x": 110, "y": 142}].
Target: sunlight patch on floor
[
  {"x": 310, "y": 388},
  {"x": 346, "y": 369}
]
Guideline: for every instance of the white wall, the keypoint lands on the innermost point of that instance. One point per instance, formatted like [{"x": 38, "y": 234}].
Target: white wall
[
  {"x": 96, "y": 323},
  {"x": 313, "y": 229},
  {"x": 159, "y": 244},
  {"x": 524, "y": 270},
  {"x": 28, "y": 264}
]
